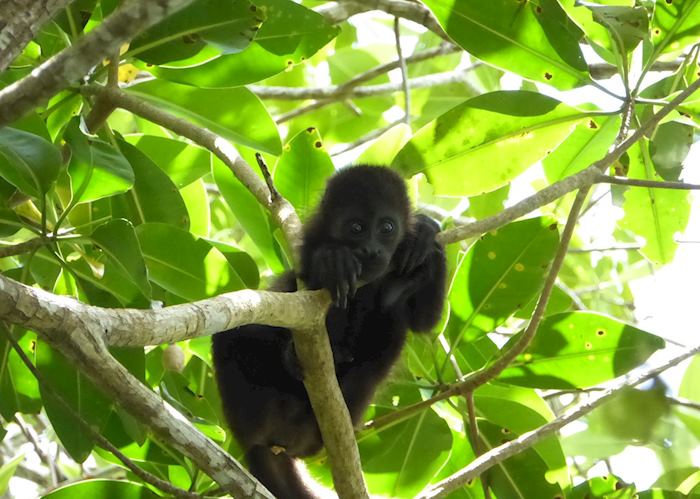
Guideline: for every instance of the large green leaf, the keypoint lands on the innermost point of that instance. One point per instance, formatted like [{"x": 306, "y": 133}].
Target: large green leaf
[
  {"x": 184, "y": 163},
  {"x": 194, "y": 391},
  {"x": 669, "y": 148},
  {"x": 194, "y": 271},
  {"x": 234, "y": 113},
  {"x": 9, "y": 222},
  {"x": 230, "y": 25},
  {"x": 521, "y": 410},
  {"x": 302, "y": 170},
  {"x": 7, "y": 470},
  {"x": 103, "y": 488},
  {"x": 533, "y": 39},
  {"x": 96, "y": 168},
  {"x": 674, "y": 25},
  {"x": 487, "y": 141},
  {"x": 522, "y": 475},
  {"x": 248, "y": 212},
  {"x": 27, "y": 161},
  {"x": 502, "y": 271},
  {"x": 118, "y": 242},
  {"x": 79, "y": 393},
  {"x": 400, "y": 460},
  {"x": 19, "y": 391},
  {"x": 580, "y": 349},
  {"x": 655, "y": 214},
  {"x": 154, "y": 197},
  {"x": 290, "y": 34},
  {"x": 588, "y": 143}
]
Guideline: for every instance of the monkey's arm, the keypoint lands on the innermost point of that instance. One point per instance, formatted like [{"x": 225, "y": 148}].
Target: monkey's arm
[{"x": 417, "y": 285}]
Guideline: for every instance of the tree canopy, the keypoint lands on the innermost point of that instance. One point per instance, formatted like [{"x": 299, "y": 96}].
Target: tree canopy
[{"x": 157, "y": 163}]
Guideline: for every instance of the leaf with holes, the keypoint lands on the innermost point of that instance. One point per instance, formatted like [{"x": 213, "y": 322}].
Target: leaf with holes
[
  {"x": 302, "y": 170},
  {"x": 580, "y": 349},
  {"x": 487, "y": 141},
  {"x": 533, "y": 39},
  {"x": 502, "y": 271}
]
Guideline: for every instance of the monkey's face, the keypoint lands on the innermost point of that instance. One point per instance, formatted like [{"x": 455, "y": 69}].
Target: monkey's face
[{"x": 373, "y": 236}]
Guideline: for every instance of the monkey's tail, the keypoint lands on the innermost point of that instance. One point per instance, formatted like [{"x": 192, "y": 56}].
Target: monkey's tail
[{"x": 278, "y": 473}]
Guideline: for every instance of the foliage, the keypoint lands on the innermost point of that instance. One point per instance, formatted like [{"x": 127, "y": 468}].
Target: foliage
[{"x": 140, "y": 217}]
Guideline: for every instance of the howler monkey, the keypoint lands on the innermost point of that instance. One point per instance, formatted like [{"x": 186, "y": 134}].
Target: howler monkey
[{"x": 386, "y": 274}]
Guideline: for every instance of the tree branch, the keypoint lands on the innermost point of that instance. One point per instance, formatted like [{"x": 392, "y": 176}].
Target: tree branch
[
  {"x": 413, "y": 11},
  {"x": 95, "y": 435},
  {"x": 20, "y": 21},
  {"x": 72, "y": 63},
  {"x": 527, "y": 440},
  {"x": 341, "y": 91},
  {"x": 556, "y": 190},
  {"x": 652, "y": 184}
]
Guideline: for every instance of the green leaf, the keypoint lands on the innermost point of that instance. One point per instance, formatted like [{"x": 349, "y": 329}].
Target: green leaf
[
  {"x": 596, "y": 487},
  {"x": 194, "y": 272},
  {"x": 230, "y": 25},
  {"x": 654, "y": 214},
  {"x": 503, "y": 271},
  {"x": 690, "y": 389},
  {"x": 154, "y": 197},
  {"x": 669, "y": 148},
  {"x": 588, "y": 143},
  {"x": 243, "y": 119},
  {"x": 487, "y": 141},
  {"x": 7, "y": 471},
  {"x": 28, "y": 161},
  {"x": 627, "y": 25},
  {"x": 488, "y": 204},
  {"x": 119, "y": 245},
  {"x": 9, "y": 222},
  {"x": 398, "y": 461},
  {"x": 19, "y": 390},
  {"x": 65, "y": 105},
  {"x": 184, "y": 163},
  {"x": 675, "y": 24},
  {"x": 580, "y": 349},
  {"x": 97, "y": 169},
  {"x": 103, "y": 488},
  {"x": 248, "y": 212},
  {"x": 195, "y": 391},
  {"x": 302, "y": 170},
  {"x": 241, "y": 261},
  {"x": 523, "y": 475},
  {"x": 535, "y": 40},
  {"x": 386, "y": 147},
  {"x": 195, "y": 197},
  {"x": 290, "y": 34},
  {"x": 79, "y": 393},
  {"x": 632, "y": 414},
  {"x": 521, "y": 410}
]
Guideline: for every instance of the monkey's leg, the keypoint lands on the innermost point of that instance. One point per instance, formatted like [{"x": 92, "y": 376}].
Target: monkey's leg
[{"x": 278, "y": 473}]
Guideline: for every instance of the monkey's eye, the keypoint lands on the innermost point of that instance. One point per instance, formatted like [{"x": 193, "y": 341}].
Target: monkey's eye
[
  {"x": 386, "y": 227},
  {"x": 356, "y": 227}
]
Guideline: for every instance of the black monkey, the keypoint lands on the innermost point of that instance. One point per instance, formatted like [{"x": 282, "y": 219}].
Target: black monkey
[{"x": 386, "y": 274}]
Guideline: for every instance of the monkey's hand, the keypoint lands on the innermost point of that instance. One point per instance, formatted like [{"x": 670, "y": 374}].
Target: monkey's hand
[
  {"x": 417, "y": 245},
  {"x": 336, "y": 269}
]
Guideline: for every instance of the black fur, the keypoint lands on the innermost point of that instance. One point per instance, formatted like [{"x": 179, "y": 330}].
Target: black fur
[{"x": 386, "y": 274}]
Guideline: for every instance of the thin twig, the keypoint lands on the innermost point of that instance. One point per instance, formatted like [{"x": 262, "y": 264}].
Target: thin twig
[
  {"x": 527, "y": 440},
  {"x": 404, "y": 72},
  {"x": 274, "y": 194},
  {"x": 654, "y": 184},
  {"x": 94, "y": 434},
  {"x": 55, "y": 474},
  {"x": 443, "y": 49},
  {"x": 474, "y": 437},
  {"x": 366, "y": 138},
  {"x": 23, "y": 247}
]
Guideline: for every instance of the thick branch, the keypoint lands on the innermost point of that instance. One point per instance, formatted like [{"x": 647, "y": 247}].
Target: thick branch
[
  {"x": 20, "y": 21},
  {"x": 40, "y": 310},
  {"x": 413, "y": 11},
  {"x": 77, "y": 60},
  {"x": 527, "y": 440}
]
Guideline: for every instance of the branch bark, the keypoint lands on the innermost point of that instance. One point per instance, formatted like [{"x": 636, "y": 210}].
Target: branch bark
[
  {"x": 527, "y": 440},
  {"x": 71, "y": 64},
  {"x": 20, "y": 22}
]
